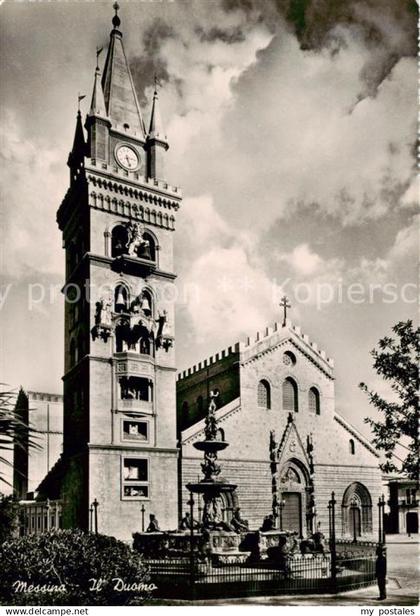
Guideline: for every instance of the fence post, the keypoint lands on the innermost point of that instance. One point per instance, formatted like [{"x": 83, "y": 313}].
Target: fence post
[
  {"x": 381, "y": 529},
  {"x": 191, "y": 504},
  {"x": 95, "y": 515},
  {"x": 333, "y": 547},
  {"x": 379, "y": 520},
  {"x": 142, "y": 509}
]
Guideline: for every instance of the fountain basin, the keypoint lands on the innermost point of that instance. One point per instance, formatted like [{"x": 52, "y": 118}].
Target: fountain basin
[
  {"x": 211, "y": 446},
  {"x": 211, "y": 488}
]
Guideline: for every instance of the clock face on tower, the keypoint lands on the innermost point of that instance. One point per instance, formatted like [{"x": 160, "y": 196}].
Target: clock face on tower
[{"x": 127, "y": 157}]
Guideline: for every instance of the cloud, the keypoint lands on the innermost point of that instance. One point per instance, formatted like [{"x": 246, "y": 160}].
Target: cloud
[
  {"x": 33, "y": 180},
  {"x": 302, "y": 260},
  {"x": 222, "y": 285},
  {"x": 386, "y": 27},
  {"x": 299, "y": 140}
]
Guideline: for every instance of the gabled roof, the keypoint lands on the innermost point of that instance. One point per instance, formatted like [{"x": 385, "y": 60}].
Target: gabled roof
[
  {"x": 191, "y": 433},
  {"x": 354, "y": 432},
  {"x": 281, "y": 334}
]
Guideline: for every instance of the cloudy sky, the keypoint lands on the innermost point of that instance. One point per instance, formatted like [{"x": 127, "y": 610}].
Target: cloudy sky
[{"x": 291, "y": 126}]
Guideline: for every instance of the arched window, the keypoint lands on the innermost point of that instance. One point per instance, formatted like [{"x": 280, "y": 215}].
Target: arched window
[
  {"x": 119, "y": 241},
  {"x": 121, "y": 298},
  {"x": 73, "y": 353},
  {"x": 143, "y": 304},
  {"x": 146, "y": 303},
  {"x": 185, "y": 409},
  {"x": 289, "y": 358},
  {"x": 147, "y": 247},
  {"x": 352, "y": 448},
  {"x": 123, "y": 337},
  {"x": 264, "y": 394},
  {"x": 314, "y": 403},
  {"x": 290, "y": 395}
]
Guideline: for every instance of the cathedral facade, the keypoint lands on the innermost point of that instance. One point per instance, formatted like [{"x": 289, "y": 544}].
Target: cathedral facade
[
  {"x": 289, "y": 448},
  {"x": 129, "y": 426}
]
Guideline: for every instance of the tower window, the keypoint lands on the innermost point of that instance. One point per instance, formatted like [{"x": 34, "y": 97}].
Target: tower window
[
  {"x": 135, "y": 478},
  {"x": 122, "y": 335},
  {"x": 136, "y": 388},
  {"x": 147, "y": 247},
  {"x": 135, "y": 430},
  {"x": 314, "y": 401},
  {"x": 119, "y": 241},
  {"x": 121, "y": 298},
  {"x": 352, "y": 448},
  {"x": 290, "y": 395},
  {"x": 143, "y": 304},
  {"x": 264, "y": 395}
]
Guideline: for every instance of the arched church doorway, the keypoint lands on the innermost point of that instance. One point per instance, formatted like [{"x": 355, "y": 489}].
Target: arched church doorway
[
  {"x": 356, "y": 511},
  {"x": 293, "y": 497}
]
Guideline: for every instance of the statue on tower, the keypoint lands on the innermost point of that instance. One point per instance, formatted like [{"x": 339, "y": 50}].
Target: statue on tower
[
  {"x": 103, "y": 319},
  {"x": 137, "y": 244}
]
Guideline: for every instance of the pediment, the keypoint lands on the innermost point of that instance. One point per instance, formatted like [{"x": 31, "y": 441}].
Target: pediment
[{"x": 291, "y": 446}]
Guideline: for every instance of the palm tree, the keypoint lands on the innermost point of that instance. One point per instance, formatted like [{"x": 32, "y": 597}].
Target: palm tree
[{"x": 13, "y": 430}]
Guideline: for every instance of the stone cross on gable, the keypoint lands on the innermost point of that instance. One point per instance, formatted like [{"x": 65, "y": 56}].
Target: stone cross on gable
[{"x": 285, "y": 304}]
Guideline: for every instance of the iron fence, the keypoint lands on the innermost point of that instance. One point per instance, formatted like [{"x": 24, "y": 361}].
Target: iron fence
[
  {"x": 309, "y": 574},
  {"x": 347, "y": 565}
]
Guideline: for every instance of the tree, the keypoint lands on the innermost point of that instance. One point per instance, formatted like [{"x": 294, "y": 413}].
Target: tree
[
  {"x": 396, "y": 360},
  {"x": 9, "y": 510},
  {"x": 13, "y": 430}
]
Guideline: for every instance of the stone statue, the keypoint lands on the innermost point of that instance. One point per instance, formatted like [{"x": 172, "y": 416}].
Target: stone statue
[
  {"x": 103, "y": 315},
  {"x": 210, "y": 467},
  {"x": 187, "y": 522},
  {"x": 137, "y": 246},
  {"x": 268, "y": 523},
  {"x": 237, "y": 523},
  {"x": 153, "y": 524},
  {"x": 210, "y": 429},
  {"x": 213, "y": 514}
]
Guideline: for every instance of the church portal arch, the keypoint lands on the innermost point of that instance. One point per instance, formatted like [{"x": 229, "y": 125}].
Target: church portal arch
[{"x": 356, "y": 510}]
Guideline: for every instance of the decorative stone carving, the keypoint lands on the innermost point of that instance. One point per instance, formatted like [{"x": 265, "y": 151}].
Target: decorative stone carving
[
  {"x": 164, "y": 336},
  {"x": 103, "y": 320},
  {"x": 137, "y": 245}
]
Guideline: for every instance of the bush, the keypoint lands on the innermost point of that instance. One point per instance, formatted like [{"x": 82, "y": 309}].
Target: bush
[
  {"x": 9, "y": 508},
  {"x": 61, "y": 564}
]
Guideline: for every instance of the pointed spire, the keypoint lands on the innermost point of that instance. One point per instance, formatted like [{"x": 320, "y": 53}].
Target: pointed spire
[
  {"x": 120, "y": 96},
  {"x": 156, "y": 127},
  {"x": 78, "y": 150},
  {"x": 77, "y": 155},
  {"x": 97, "y": 106}
]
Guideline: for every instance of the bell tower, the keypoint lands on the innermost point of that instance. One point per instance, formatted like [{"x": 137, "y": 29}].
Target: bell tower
[{"x": 118, "y": 222}]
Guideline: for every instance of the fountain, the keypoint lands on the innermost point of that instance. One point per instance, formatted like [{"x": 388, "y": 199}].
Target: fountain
[{"x": 223, "y": 541}]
